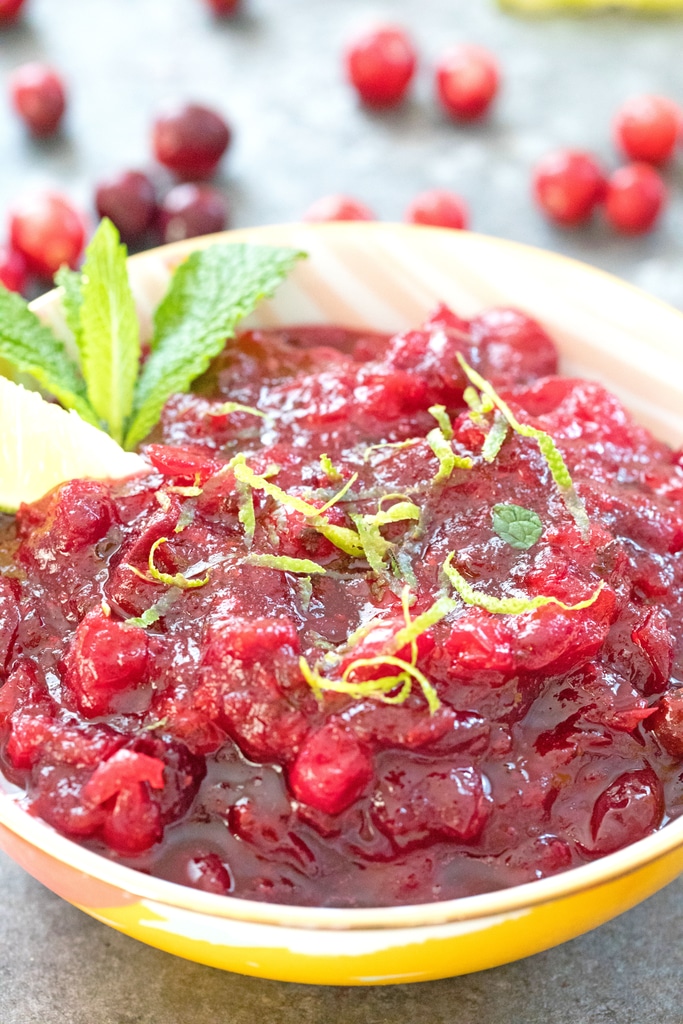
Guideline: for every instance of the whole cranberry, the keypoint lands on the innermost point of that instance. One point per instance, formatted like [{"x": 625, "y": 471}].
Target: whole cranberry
[
  {"x": 48, "y": 231},
  {"x": 190, "y": 141},
  {"x": 467, "y": 80},
  {"x": 224, "y": 8},
  {"x": 191, "y": 210},
  {"x": 13, "y": 269},
  {"x": 129, "y": 200},
  {"x": 337, "y": 207},
  {"x": 380, "y": 64},
  {"x": 38, "y": 97},
  {"x": 636, "y": 196},
  {"x": 438, "y": 207},
  {"x": 647, "y": 128},
  {"x": 568, "y": 184},
  {"x": 10, "y": 10}
]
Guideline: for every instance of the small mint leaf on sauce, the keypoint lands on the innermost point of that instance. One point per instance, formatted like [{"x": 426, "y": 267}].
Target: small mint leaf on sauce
[
  {"x": 517, "y": 526},
  {"x": 109, "y": 338},
  {"x": 209, "y": 294}
]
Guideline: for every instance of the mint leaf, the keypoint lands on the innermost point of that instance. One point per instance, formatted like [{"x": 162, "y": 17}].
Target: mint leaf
[
  {"x": 517, "y": 526},
  {"x": 209, "y": 294},
  {"x": 70, "y": 282},
  {"x": 32, "y": 348},
  {"x": 109, "y": 338}
]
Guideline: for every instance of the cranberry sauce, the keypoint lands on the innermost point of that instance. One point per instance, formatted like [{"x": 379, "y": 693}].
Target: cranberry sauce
[{"x": 168, "y": 668}]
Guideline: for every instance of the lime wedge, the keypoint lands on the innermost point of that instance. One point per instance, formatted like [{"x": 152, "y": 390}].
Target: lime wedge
[
  {"x": 42, "y": 445},
  {"x": 548, "y": 6}
]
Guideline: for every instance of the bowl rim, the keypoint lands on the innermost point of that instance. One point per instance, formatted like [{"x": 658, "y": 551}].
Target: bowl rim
[{"x": 511, "y": 901}]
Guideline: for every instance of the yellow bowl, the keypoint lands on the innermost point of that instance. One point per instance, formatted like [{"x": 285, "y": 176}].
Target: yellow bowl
[{"x": 388, "y": 277}]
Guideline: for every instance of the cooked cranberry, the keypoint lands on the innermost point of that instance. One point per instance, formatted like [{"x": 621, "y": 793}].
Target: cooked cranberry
[
  {"x": 183, "y": 463},
  {"x": 224, "y": 8},
  {"x": 647, "y": 128},
  {"x": 134, "y": 824},
  {"x": 331, "y": 771},
  {"x": 57, "y": 797},
  {"x": 439, "y": 208},
  {"x": 190, "y": 141},
  {"x": 124, "y": 769},
  {"x": 13, "y": 269},
  {"x": 667, "y": 722},
  {"x": 635, "y": 198},
  {"x": 467, "y": 80},
  {"x": 48, "y": 231},
  {"x": 129, "y": 201},
  {"x": 77, "y": 514},
  {"x": 513, "y": 347},
  {"x": 568, "y": 185},
  {"x": 628, "y": 810},
  {"x": 652, "y": 636},
  {"x": 38, "y": 97},
  {"x": 380, "y": 64},
  {"x": 209, "y": 874},
  {"x": 10, "y": 10},
  {"x": 106, "y": 657},
  {"x": 337, "y": 207},
  {"x": 247, "y": 639},
  {"x": 191, "y": 210}
]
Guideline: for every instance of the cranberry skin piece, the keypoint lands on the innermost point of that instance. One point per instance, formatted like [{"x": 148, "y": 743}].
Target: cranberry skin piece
[
  {"x": 647, "y": 128},
  {"x": 48, "y": 231},
  {"x": 628, "y": 810},
  {"x": 223, "y": 8},
  {"x": 10, "y": 10},
  {"x": 13, "y": 269},
  {"x": 667, "y": 722},
  {"x": 191, "y": 210},
  {"x": 331, "y": 770},
  {"x": 636, "y": 196},
  {"x": 38, "y": 97},
  {"x": 380, "y": 64},
  {"x": 209, "y": 874},
  {"x": 10, "y": 617},
  {"x": 568, "y": 184},
  {"x": 190, "y": 141},
  {"x": 134, "y": 824},
  {"x": 106, "y": 658},
  {"x": 337, "y": 207},
  {"x": 439, "y": 208},
  {"x": 467, "y": 81},
  {"x": 129, "y": 201},
  {"x": 119, "y": 772}
]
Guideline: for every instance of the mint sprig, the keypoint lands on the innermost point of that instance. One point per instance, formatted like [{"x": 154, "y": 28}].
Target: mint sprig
[{"x": 209, "y": 294}]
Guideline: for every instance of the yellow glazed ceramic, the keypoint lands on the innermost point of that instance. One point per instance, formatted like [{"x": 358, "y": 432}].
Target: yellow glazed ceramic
[{"x": 388, "y": 277}]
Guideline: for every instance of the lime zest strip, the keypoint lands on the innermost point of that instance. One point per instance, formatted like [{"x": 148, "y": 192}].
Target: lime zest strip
[
  {"x": 443, "y": 419},
  {"x": 329, "y": 469},
  {"x": 448, "y": 460},
  {"x": 285, "y": 563},
  {"x": 379, "y": 689},
  {"x": 495, "y": 438},
  {"x": 229, "y": 407},
  {"x": 548, "y": 448},
  {"x": 509, "y": 605},
  {"x": 155, "y": 576}
]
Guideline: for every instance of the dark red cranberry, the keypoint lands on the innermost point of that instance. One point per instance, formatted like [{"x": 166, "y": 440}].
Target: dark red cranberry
[
  {"x": 13, "y": 269},
  {"x": 331, "y": 770},
  {"x": 467, "y": 80},
  {"x": 38, "y": 97},
  {"x": 380, "y": 64},
  {"x": 190, "y": 210},
  {"x": 106, "y": 657},
  {"x": 209, "y": 873},
  {"x": 190, "y": 141},
  {"x": 48, "y": 231},
  {"x": 628, "y": 810},
  {"x": 647, "y": 128},
  {"x": 667, "y": 722},
  {"x": 440, "y": 208},
  {"x": 568, "y": 184},
  {"x": 337, "y": 207},
  {"x": 129, "y": 201},
  {"x": 134, "y": 824},
  {"x": 10, "y": 10},
  {"x": 636, "y": 196},
  {"x": 224, "y": 8}
]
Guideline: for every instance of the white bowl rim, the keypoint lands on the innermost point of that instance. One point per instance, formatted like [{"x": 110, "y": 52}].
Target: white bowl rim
[{"x": 514, "y": 900}]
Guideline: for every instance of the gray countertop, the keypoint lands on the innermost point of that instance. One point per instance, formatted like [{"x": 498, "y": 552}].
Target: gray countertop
[{"x": 299, "y": 133}]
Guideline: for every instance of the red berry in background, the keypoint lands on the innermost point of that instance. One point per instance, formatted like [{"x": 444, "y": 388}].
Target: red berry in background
[
  {"x": 224, "y": 8},
  {"x": 380, "y": 64},
  {"x": 337, "y": 207},
  {"x": 48, "y": 231},
  {"x": 38, "y": 96},
  {"x": 10, "y": 10},
  {"x": 467, "y": 80},
  {"x": 190, "y": 141},
  {"x": 13, "y": 269},
  {"x": 568, "y": 184},
  {"x": 440, "y": 208},
  {"x": 129, "y": 200},
  {"x": 191, "y": 210},
  {"x": 635, "y": 198},
  {"x": 647, "y": 128}
]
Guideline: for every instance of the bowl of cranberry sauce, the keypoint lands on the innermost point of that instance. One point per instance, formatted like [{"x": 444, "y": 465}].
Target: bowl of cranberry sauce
[{"x": 377, "y": 674}]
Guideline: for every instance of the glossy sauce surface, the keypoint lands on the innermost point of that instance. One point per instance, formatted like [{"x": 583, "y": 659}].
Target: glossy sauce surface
[{"x": 194, "y": 747}]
